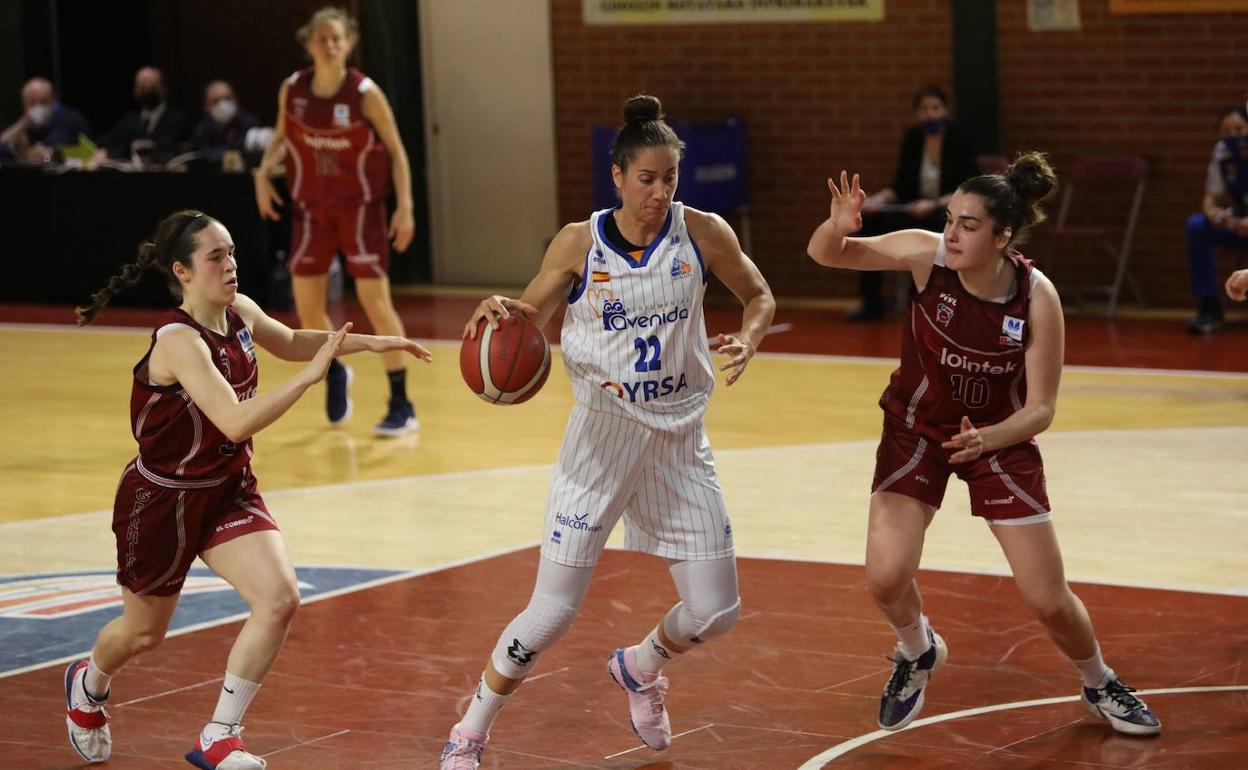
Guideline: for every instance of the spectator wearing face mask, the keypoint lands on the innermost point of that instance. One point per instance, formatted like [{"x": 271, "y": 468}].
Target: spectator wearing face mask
[
  {"x": 1223, "y": 219},
  {"x": 935, "y": 157},
  {"x": 154, "y": 130},
  {"x": 224, "y": 126},
  {"x": 45, "y": 124}
]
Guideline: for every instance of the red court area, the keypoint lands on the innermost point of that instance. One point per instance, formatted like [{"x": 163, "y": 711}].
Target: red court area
[{"x": 376, "y": 678}]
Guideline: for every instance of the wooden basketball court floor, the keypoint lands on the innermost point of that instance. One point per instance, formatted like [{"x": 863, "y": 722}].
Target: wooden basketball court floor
[{"x": 414, "y": 553}]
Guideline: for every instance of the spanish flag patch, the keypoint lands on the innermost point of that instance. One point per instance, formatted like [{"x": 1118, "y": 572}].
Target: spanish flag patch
[{"x": 600, "y": 277}]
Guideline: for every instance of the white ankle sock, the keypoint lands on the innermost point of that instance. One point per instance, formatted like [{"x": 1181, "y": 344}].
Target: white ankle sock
[
  {"x": 483, "y": 708},
  {"x": 96, "y": 682},
  {"x": 236, "y": 695},
  {"x": 913, "y": 638},
  {"x": 651, "y": 655},
  {"x": 1093, "y": 671}
]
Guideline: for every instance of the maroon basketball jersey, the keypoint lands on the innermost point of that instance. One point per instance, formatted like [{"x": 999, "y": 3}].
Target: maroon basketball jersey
[
  {"x": 333, "y": 156},
  {"x": 961, "y": 355},
  {"x": 178, "y": 445}
]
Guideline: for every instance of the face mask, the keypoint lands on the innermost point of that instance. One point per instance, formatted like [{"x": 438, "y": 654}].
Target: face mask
[
  {"x": 149, "y": 100},
  {"x": 933, "y": 126},
  {"x": 39, "y": 114},
  {"x": 223, "y": 111}
]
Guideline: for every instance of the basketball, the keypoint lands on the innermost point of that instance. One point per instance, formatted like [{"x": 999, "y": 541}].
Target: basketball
[{"x": 507, "y": 365}]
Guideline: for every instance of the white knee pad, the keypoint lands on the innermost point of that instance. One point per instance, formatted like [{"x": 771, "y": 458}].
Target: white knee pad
[
  {"x": 535, "y": 629},
  {"x": 687, "y": 627}
]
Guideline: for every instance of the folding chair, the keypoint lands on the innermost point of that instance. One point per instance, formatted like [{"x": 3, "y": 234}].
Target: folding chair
[{"x": 1105, "y": 176}]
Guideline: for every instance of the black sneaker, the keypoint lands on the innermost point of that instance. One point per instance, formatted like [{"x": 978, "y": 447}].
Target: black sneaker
[
  {"x": 338, "y": 393},
  {"x": 400, "y": 419},
  {"x": 1208, "y": 318},
  {"x": 904, "y": 693},
  {"x": 1116, "y": 704}
]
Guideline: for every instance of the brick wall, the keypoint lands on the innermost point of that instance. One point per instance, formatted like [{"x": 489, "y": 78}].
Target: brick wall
[{"x": 819, "y": 97}]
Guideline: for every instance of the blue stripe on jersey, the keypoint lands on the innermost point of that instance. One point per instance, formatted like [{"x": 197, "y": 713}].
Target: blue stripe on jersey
[
  {"x": 701, "y": 263},
  {"x": 579, "y": 289},
  {"x": 654, "y": 245}
]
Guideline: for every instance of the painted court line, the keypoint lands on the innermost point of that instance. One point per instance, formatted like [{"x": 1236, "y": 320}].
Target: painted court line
[
  {"x": 381, "y": 581},
  {"x": 821, "y": 760},
  {"x": 167, "y": 692},
  {"x": 674, "y": 737},
  {"x": 306, "y": 743}
]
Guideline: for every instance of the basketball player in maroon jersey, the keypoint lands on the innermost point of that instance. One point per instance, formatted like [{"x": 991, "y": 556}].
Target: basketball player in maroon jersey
[
  {"x": 190, "y": 492},
  {"x": 980, "y": 365},
  {"x": 343, "y": 153}
]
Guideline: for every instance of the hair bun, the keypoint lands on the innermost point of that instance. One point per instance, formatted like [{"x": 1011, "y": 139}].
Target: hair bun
[
  {"x": 1031, "y": 177},
  {"x": 642, "y": 108}
]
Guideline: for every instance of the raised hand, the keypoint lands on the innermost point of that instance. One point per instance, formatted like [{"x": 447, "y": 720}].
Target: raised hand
[
  {"x": 846, "y": 208},
  {"x": 319, "y": 364}
]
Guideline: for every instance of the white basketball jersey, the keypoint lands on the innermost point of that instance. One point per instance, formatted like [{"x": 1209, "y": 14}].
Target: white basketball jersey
[{"x": 634, "y": 338}]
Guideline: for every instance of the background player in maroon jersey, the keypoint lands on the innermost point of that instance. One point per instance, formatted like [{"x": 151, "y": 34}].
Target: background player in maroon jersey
[
  {"x": 980, "y": 366},
  {"x": 190, "y": 491},
  {"x": 329, "y": 120}
]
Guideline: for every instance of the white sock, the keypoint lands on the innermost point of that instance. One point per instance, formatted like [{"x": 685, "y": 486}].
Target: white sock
[
  {"x": 913, "y": 638},
  {"x": 651, "y": 655},
  {"x": 483, "y": 708},
  {"x": 1093, "y": 671},
  {"x": 236, "y": 695},
  {"x": 96, "y": 682}
]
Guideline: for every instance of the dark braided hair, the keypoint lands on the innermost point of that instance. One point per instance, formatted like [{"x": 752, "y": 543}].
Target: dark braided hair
[
  {"x": 1013, "y": 199},
  {"x": 643, "y": 127},
  {"x": 173, "y": 241}
]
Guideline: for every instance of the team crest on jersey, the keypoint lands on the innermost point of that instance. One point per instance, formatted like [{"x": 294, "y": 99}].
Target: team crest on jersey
[
  {"x": 944, "y": 314},
  {"x": 249, "y": 347},
  {"x": 342, "y": 115},
  {"x": 681, "y": 268},
  {"x": 223, "y": 359},
  {"x": 297, "y": 105},
  {"x": 599, "y": 258},
  {"x": 1012, "y": 328}
]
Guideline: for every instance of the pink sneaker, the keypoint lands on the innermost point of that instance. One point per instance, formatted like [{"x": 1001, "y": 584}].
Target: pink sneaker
[
  {"x": 646, "y": 693},
  {"x": 86, "y": 721},
  {"x": 225, "y": 752},
  {"x": 463, "y": 749}
]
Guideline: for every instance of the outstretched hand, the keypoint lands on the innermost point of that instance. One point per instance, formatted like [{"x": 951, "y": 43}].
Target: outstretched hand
[
  {"x": 846, "y": 207},
  {"x": 1237, "y": 285},
  {"x": 969, "y": 443},
  {"x": 316, "y": 368},
  {"x": 386, "y": 344}
]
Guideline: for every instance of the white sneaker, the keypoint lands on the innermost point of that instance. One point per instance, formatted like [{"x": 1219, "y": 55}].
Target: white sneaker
[
  {"x": 224, "y": 752},
  {"x": 1125, "y": 713},
  {"x": 86, "y": 721},
  {"x": 907, "y": 687}
]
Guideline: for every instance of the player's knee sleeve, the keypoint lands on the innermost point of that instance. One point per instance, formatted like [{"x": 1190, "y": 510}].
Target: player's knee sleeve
[
  {"x": 690, "y": 626},
  {"x": 539, "y": 626}
]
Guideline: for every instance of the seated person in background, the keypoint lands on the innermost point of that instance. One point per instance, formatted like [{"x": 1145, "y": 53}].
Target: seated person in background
[
  {"x": 224, "y": 126},
  {"x": 45, "y": 125},
  {"x": 153, "y": 131},
  {"x": 935, "y": 157},
  {"x": 1223, "y": 220}
]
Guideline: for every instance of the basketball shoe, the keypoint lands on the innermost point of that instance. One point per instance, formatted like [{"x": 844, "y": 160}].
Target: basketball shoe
[
  {"x": 646, "y": 694},
  {"x": 338, "y": 392},
  {"x": 463, "y": 749},
  {"x": 904, "y": 693},
  {"x": 223, "y": 751},
  {"x": 400, "y": 419},
  {"x": 85, "y": 717},
  {"x": 1116, "y": 704}
]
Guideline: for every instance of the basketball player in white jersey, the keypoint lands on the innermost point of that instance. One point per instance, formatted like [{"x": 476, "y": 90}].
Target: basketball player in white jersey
[{"x": 634, "y": 342}]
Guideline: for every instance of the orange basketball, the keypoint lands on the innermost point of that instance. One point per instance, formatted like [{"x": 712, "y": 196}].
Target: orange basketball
[{"x": 507, "y": 365}]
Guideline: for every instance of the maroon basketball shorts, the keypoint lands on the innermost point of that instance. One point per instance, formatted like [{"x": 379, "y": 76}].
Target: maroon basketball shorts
[
  {"x": 357, "y": 231},
  {"x": 1006, "y": 486},
  {"x": 160, "y": 528}
]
